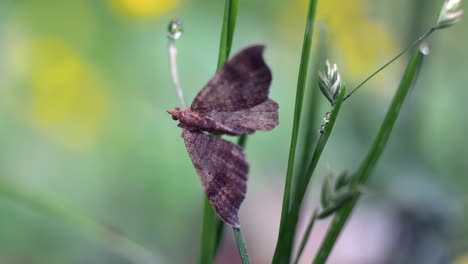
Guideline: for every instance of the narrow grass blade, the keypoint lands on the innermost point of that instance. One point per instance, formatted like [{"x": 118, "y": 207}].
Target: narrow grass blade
[
  {"x": 305, "y": 237},
  {"x": 322, "y": 142},
  {"x": 242, "y": 141},
  {"x": 369, "y": 162},
  {"x": 311, "y": 116},
  {"x": 241, "y": 246},
  {"x": 293, "y": 218},
  {"x": 227, "y": 33},
  {"x": 209, "y": 233},
  {"x": 279, "y": 256},
  {"x": 212, "y": 230},
  {"x": 105, "y": 234}
]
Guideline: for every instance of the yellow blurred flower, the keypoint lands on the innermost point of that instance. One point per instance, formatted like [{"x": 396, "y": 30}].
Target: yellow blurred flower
[
  {"x": 462, "y": 260},
  {"x": 67, "y": 97},
  {"x": 362, "y": 43},
  {"x": 143, "y": 8}
]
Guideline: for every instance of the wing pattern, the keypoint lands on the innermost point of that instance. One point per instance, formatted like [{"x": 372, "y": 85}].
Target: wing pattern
[
  {"x": 223, "y": 169},
  {"x": 262, "y": 117},
  {"x": 243, "y": 82}
]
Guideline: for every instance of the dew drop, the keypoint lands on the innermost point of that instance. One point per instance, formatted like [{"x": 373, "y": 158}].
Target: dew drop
[
  {"x": 175, "y": 29},
  {"x": 326, "y": 117},
  {"x": 322, "y": 129},
  {"x": 424, "y": 48}
]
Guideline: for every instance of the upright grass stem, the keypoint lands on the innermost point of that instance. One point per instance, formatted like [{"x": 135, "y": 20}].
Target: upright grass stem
[
  {"x": 361, "y": 176},
  {"x": 305, "y": 237},
  {"x": 227, "y": 33},
  {"x": 209, "y": 238},
  {"x": 212, "y": 229},
  {"x": 312, "y": 102},
  {"x": 229, "y": 24},
  {"x": 281, "y": 252},
  {"x": 241, "y": 245},
  {"x": 293, "y": 217}
]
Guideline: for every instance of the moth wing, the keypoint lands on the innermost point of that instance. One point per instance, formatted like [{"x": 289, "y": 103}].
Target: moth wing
[
  {"x": 246, "y": 121},
  {"x": 223, "y": 171},
  {"x": 243, "y": 82}
]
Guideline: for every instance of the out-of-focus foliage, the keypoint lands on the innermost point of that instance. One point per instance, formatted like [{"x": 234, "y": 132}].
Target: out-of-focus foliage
[
  {"x": 143, "y": 8},
  {"x": 462, "y": 260},
  {"x": 84, "y": 86},
  {"x": 67, "y": 98},
  {"x": 359, "y": 39}
]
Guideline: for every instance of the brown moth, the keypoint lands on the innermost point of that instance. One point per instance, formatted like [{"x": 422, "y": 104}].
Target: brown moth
[{"x": 234, "y": 102}]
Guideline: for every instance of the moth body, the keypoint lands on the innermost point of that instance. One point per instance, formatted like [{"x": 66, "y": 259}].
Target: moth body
[
  {"x": 234, "y": 102},
  {"x": 188, "y": 119},
  {"x": 194, "y": 121}
]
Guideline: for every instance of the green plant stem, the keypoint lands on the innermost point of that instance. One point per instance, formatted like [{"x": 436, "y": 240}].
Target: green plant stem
[
  {"x": 241, "y": 245},
  {"x": 305, "y": 237},
  {"x": 227, "y": 33},
  {"x": 219, "y": 233},
  {"x": 242, "y": 141},
  {"x": 367, "y": 166},
  {"x": 209, "y": 233},
  {"x": 301, "y": 82},
  {"x": 293, "y": 217},
  {"x": 212, "y": 229},
  {"x": 416, "y": 42},
  {"x": 312, "y": 103},
  {"x": 105, "y": 234}
]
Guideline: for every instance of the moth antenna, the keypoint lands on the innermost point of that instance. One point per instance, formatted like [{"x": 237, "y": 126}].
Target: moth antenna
[{"x": 175, "y": 30}]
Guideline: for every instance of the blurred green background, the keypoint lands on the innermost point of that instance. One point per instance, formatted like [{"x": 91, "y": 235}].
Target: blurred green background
[{"x": 84, "y": 86}]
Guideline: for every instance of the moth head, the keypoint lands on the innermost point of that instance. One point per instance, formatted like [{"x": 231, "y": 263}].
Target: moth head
[{"x": 175, "y": 113}]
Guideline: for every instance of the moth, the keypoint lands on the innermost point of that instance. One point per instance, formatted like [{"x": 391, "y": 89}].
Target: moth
[{"x": 234, "y": 102}]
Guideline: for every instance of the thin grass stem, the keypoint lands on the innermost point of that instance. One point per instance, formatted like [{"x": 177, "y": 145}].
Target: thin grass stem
[
  {"x": 293, "y": 218},
  {"x": 209, "y": 236},
  {"x": 227, "y": 33},
  {"x": 312, "y": 102},
  {"x": 241, "y": 245},
  {"x": 280, "y": 255},
  {"x": 305, "y": 237},
  {"x": 242, "y": 141},
  {"x": 370, "y": 161},
  {"x": 415, "y": 43},
  {"x": 213, "y": 227}
]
